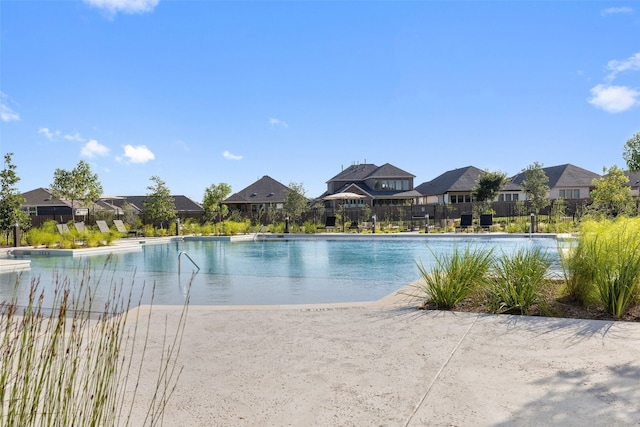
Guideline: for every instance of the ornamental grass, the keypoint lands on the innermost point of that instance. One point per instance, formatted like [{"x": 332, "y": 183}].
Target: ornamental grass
[{"x": 72, "y": 361}]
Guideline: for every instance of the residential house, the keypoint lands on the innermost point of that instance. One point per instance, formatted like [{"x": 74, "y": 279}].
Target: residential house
[
  {"x": 456, "y": 186},
  {"x": 634, "y": 182},
  {"x": 41, "y": 205},
  {"x": 264, "y": 194},
  {"x": 565, "y": 181},
  {"x": 185, "y": 207},
  {"x": 381, "y": 185}
]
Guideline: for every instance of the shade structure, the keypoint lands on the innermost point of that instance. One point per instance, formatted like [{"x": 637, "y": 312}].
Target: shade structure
[{"x": 344, "y": 196}]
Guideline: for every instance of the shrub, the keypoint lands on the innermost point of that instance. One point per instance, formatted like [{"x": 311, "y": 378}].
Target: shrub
[
  {"x": 517, "y": 280},
  {"x": 605, "y": 263},
  {"x": 454, "y": 277}
]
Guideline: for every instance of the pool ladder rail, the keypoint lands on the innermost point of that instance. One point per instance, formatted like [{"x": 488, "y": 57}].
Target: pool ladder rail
[
  {"x": 255, "y": 236},
  {"x": 192, "y": 261}
]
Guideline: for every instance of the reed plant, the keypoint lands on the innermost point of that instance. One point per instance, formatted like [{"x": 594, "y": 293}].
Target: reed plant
[
  {"x": 517, "y": 279},
  {"x": 454, "y": 277},
  {"x": 70, "y": 365},
  {"x": 604, "y": 265}
]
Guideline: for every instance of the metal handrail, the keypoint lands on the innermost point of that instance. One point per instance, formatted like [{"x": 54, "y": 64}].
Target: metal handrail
[
  {"x": 187, "y": 255},
  {"x": 258, "y": 232}
]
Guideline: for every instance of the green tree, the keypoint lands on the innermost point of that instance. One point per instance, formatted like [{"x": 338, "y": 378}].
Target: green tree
[
  {"x": 160, "y": 206},
  {"x": 488, "y": 186},
  {"x": 631, "y": 153},
  {"x": 11, "y": 200},
  {"x": 130, "y": 213},
  {"x": 295, "y": 202},
  {"x": 76, "y": 185},
  {"x": 536, "y": 186},
  {"x": 212, "y": 200},
  {"x": 612, "y": 194}
]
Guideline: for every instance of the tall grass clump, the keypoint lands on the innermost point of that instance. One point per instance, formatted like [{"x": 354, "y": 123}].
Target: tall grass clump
[
  {"x": 517, "y": 280},
  {"x": 70, "y": 365},
  {"x": 454, "y": 277},
  {"x": 605, "y": 264}
]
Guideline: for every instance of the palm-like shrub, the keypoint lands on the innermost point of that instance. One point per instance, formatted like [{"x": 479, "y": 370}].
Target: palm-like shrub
[
  {"x": 455, "y": 277},
  {"x": 517, "y": 280}
]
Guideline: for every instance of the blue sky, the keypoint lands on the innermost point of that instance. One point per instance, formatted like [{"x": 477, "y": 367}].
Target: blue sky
[{"x": 203, "y": 92}]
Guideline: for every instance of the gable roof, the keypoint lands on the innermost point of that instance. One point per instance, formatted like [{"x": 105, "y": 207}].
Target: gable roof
[
  {"x": 634, "y": 178},
  {"x": 183, "y": 204},
  {"x": 462, "y": 179},
  {"x": 42, "y": 197},
  {"x": 362, "y": 172},
  {"x": 264, "y": 190},
  {"x": 566, "y": 175}
]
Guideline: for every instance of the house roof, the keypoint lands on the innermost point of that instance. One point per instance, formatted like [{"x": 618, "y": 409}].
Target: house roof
[
  {"x": 42, "y": 197},
  {"x": 462, "y": 179},
  {"x": 634, "y": 178},
  {"x": 362, "y": 172},
  {"x": 182, "y": 203},
  {"x": 566, "y": 175},
  {"x": 264, "y": 190}
]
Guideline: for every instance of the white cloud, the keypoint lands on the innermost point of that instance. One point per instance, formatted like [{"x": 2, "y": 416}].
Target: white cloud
[
  {"x": 93, "y": 148},
  {"x": 75, "y": 137},
  {"x": 614, "y": 99},
  {"x": 616, "y": 10},
  {"x": 125, "y": 6},
  {"x": 277, "y": 122},
  {"x": 630, "y": 64},
  {"x": 6, "y": 113},
  {"x": 48, "y": 133},
  {"x": 138, "y": 154},
  {"x": 228, "y": 155}
]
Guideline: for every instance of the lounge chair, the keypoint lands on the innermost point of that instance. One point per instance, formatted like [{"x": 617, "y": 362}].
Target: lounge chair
[
  {"x": 120, "y": 226},
  {"x": 466, "y": 221},
  {"x": 486, "y": 221},
  {"x": 62, "y": 228},
  {"x": 102, "y": 226},
  {"x": 79, "y": 226},
  {"x": 330, "y": 222}
]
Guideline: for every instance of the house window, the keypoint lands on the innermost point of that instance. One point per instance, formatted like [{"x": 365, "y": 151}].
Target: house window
[
  {"x": 508, "y": 197},
  {"x": 573, "y": 193},
  {"x": 460, "y": 198},
  {"x": 30, "y": 210},
  {"x": 392, "y": 184}
]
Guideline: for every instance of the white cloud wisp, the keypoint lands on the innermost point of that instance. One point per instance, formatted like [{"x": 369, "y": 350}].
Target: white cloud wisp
[
  {"x": 277, "y": 122},
  {"x": 229, "y": 156},
  {"x": 124, "y": 6},
  {"x": 138, "y": 154},
  {"x": 6, "y": 113},
  {"x": 614, "y": 99},
  {"x": 93, "y": 148},
  {"x": 616, "y": 11}
]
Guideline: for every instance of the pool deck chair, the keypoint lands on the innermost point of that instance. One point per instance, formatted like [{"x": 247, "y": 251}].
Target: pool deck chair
[
  {"x": 486, "y": 221},
  {"x": 79, "y": 226},
  {"x": 466, "y": 221},
  {"x": 102, "y": 225},
  {"x": 330, "y": 222},
  {"x": 120, "y": 226},
  {"x": 62, "y": 228}
]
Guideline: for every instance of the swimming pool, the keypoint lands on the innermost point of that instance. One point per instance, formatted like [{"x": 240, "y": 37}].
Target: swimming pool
[{"x": 282, "y": 271}]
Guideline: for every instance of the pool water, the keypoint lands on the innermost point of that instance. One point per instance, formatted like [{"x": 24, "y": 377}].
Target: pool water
[{"x": 262, "y": 272}]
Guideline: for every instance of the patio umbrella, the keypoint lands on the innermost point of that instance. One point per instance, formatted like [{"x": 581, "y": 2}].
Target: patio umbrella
[{"x": 344, "y": 196}]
